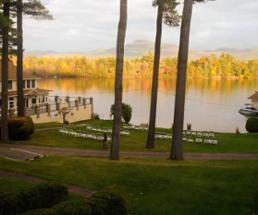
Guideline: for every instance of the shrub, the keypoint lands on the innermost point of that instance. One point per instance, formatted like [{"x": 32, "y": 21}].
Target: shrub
[
  {"x": 108, "y": 203},
  {"x": 126, "y": 112},
  {"x": 44, "y": 195},
  {"x": 73, "y": 208},
  {"x": 48, "y": 211},
  {"x": 64, "y": 208},
  {"x": 252, "y": 125},
  {"x": 20, "y": 128},
  {"x": 10, "y": 203},
  {"x": 40, "y": 196},
  {"x": 96, "y": 116}
]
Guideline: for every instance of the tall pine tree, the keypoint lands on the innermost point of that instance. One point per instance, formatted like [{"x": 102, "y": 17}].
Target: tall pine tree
[
  {"x": 114, "y": 153},
  {"x": 167, "y": 13}
]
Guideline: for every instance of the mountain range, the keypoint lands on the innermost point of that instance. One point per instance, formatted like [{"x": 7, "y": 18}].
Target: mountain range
[{"x": 140, "y": 47}]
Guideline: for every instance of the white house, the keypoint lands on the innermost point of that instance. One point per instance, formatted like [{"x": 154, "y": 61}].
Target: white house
[
  {"x": 39, "y": 104},
  {"x": 32, "y": 94}
]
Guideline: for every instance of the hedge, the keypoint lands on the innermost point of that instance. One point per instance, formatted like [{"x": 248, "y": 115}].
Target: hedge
[
  {"x": 20, "y": 128},
  {"x": 252, "y": 125},
  {"x": 40, "y": 196},
  {"x": 39, "y": 200},
  {"x": 64, "y": 208},
  {"x": 108, "y": 203},
  {"x": 126, "y": 112},
  {"x": 101, "y": 203}
]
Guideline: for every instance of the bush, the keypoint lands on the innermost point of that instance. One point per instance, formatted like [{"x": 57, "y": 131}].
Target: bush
[
  {"x": 20, "y": 128},
  {"x": 126, "y": 112},
  {"x": 64, "y": 208},
  {"x": 252, "y": 125},
  {"x": 10, "y": 203},
  {"x": 73, "y": 208},
  {"x": 96, "y": 116},
  {"x": 108, "y": 203},
  {"x": 45, "y": 195},
  {"x": 48, "y": 211},
  {"x": 40, "y": 196}
]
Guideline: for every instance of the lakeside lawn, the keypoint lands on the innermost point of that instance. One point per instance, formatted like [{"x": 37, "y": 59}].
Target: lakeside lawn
[
  {"x": 246, "y": 143},
  {"x": 154, "y": 186}
]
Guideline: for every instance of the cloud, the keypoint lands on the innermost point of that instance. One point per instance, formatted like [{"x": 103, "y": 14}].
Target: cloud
[{"x": 82, "y": 25}]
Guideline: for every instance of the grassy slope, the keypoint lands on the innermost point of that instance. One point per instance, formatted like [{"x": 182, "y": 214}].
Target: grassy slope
[
  {"x": 8, "y": 184},
  {"x": 136, "y": 141},
  {"x": 159, "y": 187}
]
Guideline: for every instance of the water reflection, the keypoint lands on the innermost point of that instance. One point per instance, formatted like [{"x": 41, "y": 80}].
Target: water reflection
[{"x": 210, "y": 104}]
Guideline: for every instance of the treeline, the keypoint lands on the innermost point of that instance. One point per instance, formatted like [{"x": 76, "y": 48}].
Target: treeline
[{"x": 210, "y": 67}]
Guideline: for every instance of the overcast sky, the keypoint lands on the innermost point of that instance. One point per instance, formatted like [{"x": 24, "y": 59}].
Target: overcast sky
[{"x": 82, "y": 25}]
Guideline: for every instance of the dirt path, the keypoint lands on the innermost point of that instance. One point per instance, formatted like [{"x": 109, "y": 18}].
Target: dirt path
[
  {"x": 35, "y": 180},
  {"x": 29, "y": 151}
]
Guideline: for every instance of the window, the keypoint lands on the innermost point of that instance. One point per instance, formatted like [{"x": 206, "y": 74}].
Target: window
[
  {"x": 24, "y": 86},
  {"x": 33, "y": 85},
  {"x": 11, "y": 102},
  {"x": 10, "y": 85},
  {"x": 34, "y": 101},
  {"x": 28, "y": 84}
]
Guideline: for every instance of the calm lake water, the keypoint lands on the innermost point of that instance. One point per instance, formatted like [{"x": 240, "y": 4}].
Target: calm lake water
[{"x": 210, "y": 105}]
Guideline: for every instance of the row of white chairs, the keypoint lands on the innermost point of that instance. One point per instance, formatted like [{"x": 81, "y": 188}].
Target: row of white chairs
[
  {"x": 199, "y": 134},
  {"x": 83, "y": 135},
  {"x": 201, "y": 141},
  {"x": 108, "y": 131},
  {"x": 189, "y": 140}
]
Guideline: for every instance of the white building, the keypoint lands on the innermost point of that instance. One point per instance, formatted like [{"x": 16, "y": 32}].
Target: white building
[
  {"x": 32, "y": 94},
  {"x": 38, "y": 104}
]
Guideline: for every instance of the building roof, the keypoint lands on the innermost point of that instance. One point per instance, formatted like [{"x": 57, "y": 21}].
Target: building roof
[
  {"x": 254, "y": 97},
  {"x": 29, "y": 92},
  {"x": 12, "y": 73}
]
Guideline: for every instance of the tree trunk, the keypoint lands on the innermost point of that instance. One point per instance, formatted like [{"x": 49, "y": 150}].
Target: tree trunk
[
  {"x": 177, "y": 142},
  {"x": 114, "y": 153},
  {"x": 4, "y": 105},
  {"x": 155, "y": 80},
  {"x": 20, "y": 94}
]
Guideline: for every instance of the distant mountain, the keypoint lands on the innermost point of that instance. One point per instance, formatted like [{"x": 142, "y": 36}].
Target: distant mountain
[
  {"x": 39, "y": 53},
  {"x": 139, "y": 48}
]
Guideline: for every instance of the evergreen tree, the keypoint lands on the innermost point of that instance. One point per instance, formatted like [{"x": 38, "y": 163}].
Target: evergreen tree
[
  {"x": 114, "y": 153},
  {"x": 37, "y": 10},
  {"x": 5, "y": 53},
  {"x": 177, "y": 140},
  {"x": 166, "y": 12}
]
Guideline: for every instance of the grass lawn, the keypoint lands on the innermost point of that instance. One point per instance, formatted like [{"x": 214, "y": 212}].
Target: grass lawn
[
  {"x": 136, "y": 141},
  {"x": 9, "y": 184},
  {"x": 158, "y": 187}
]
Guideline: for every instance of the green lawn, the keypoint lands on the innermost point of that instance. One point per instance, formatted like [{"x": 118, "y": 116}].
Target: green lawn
[
  {"x": 158, "y": 187},
  {"x": 9, "y": 184},
  {"x": 136, "y": 141}
]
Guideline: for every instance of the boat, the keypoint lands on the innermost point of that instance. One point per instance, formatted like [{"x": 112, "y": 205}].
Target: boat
[{"x": 249, "y": 110}]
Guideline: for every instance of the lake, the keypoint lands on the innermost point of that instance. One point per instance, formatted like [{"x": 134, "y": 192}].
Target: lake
[{"x": 211, "y": 105}]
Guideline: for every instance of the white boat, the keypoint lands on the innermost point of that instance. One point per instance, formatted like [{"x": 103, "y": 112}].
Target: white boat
[{"x": 249, "y": 110}]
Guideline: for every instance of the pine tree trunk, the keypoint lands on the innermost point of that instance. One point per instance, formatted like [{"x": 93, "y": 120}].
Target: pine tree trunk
[
  {"x": 114, "y": 153},
  {"x": 177, "y": 142},
  {"x": 155, "y": 80},
  {"x": 20, "y": 93},
  {"x": 4, "y": 105}
]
